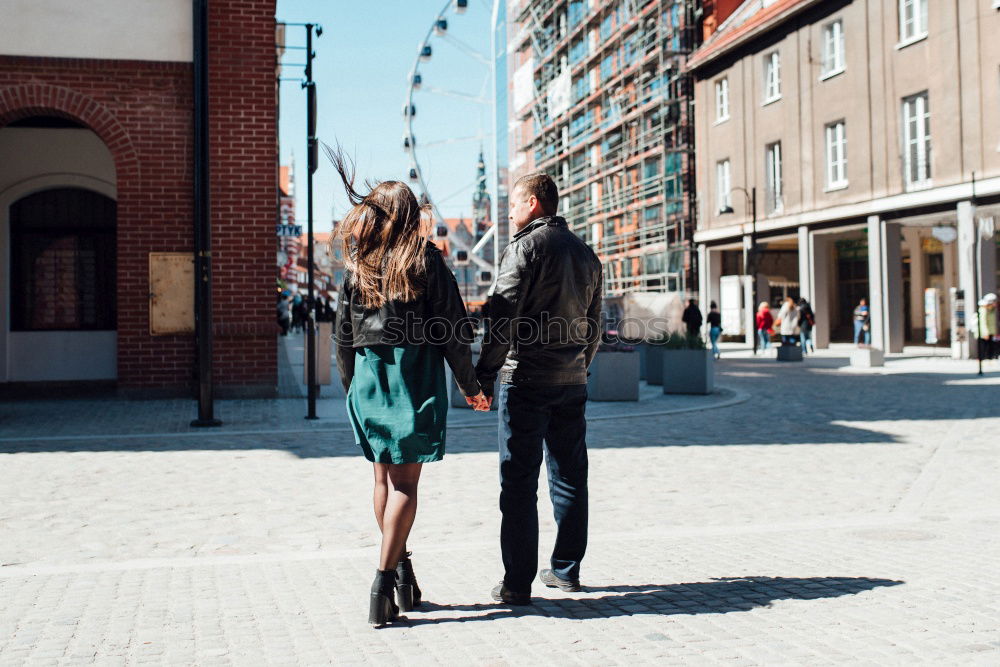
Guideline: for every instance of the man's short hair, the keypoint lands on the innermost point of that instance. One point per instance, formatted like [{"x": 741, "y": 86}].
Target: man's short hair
[{"x": 543, "y": 188}]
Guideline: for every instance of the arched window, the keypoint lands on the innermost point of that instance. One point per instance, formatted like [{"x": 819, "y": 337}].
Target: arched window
[{"x": 62, "y": 274}]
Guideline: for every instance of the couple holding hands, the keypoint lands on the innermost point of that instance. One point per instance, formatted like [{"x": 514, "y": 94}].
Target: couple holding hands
[{"x": 401, "y": 318}]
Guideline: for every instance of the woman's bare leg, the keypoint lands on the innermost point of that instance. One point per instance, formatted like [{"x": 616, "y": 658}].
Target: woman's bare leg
[
  {"x": 381, "y": 495},
  {"x": 399, "y": 511},
  {"x": 381, "y": 491}
]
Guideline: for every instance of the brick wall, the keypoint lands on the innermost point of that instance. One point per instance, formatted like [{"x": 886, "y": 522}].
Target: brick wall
[
  {"x": 244, "y": 154},
  {"x": 143, "y": 112}
]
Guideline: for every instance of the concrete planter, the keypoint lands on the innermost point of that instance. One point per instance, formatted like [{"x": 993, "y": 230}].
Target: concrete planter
[
  {"x": 789, "y": 353},
  {"x": 654, "y": 364},
  {"x": 688, "y": 372},
  {"x": 867, "y": 357},
  {"x": 642, "y": 349},
  {"x": 614, "y": 376}
]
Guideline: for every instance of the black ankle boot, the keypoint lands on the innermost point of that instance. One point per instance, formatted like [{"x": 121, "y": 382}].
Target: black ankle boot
[
  {"x": 383, "y": 609},
  {"x": 407, "y": 591}
]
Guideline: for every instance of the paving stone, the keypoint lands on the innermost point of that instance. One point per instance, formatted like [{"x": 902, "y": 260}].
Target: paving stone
[{"x": 830, "y": 517}]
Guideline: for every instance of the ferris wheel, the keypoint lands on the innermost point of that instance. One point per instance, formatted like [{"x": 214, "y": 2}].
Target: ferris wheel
[{"x": 456, "y": 104}]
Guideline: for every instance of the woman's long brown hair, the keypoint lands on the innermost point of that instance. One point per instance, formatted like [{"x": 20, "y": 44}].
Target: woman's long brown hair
[{"x": 383, "y": 237}]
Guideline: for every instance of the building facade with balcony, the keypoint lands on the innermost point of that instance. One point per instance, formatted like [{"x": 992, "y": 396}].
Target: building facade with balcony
[
  {"x": 599, "y": 100},
  {"x": 860, "y": 131}
]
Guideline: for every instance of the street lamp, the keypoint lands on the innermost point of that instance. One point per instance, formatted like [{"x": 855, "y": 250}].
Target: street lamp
[
  {"x": 312, "y": 146},
  {"x": 750, "y": 258}
]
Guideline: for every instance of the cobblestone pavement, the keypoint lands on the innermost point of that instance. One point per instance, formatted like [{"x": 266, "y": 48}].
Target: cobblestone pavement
[{"x": 808, "y": 515}]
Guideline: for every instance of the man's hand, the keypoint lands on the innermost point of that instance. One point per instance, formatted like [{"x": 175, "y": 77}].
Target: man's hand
[{"x": 479, "y": 402}]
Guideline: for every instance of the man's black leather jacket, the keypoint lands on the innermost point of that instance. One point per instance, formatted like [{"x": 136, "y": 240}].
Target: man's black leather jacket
[
  {"x": 543, "y": 313},
  {"x": 436, "y": 317}
]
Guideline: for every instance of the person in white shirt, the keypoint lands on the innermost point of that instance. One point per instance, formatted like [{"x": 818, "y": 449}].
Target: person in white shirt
[{"x": 788, "y": 322}]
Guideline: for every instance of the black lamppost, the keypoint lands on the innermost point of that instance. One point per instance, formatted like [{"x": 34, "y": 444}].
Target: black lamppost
[
  {"x": 313, "y": 162},
  {"x": 750, "y": 258}
]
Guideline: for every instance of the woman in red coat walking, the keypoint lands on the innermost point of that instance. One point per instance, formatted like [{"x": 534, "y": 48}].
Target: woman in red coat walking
[{"x": 764, "y": 322}]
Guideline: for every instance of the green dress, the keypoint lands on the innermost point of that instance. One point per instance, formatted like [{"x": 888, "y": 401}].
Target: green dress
[{"x": 398, "y": 403}]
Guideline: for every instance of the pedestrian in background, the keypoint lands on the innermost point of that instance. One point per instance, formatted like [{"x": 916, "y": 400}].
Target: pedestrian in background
[
  {"x": 297, "y": 313},
  {"x": 764, "y": 322},
  {"x": 807, "y": 321},
  {"x": 397, "y": 396},
  {"x": 284, "y": 314},
  {"x": 788, "y": 322},
  {"x": 714, "y": 328},
  {"x": 862, "y": 324},
  {"x": 692, "y": 318},
  {"x": 984, "y": 327}
]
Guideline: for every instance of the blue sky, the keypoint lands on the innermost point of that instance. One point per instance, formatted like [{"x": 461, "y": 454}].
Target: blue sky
[{"x": 362, "y": 69}]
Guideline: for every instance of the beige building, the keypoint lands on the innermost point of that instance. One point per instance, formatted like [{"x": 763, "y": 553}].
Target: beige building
[{"x": 868, "y": 132}]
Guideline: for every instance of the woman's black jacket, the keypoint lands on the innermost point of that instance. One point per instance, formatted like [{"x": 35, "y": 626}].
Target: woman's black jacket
[{"x": 436, "y": 317}]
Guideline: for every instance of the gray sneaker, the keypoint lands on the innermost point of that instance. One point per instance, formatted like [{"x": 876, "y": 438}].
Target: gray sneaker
[
  {"x": 552, "y": 580},
  {"x": 503, "y": 594}
]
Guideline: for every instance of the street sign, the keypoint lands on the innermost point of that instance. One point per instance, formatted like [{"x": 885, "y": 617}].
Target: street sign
[{"x": 288, "y": 230}]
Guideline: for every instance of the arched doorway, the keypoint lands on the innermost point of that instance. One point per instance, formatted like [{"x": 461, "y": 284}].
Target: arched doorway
[{"x": 58, "y": 221}]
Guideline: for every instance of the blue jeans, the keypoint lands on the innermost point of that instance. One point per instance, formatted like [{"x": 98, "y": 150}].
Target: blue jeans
[
  {"x": 859, "y": 330},
  {"x": 805, "y": 338},
  {"x": 713, "y": 336},
  {"x": 765, "y": 339},
  {"x": 529, "y": 416}
]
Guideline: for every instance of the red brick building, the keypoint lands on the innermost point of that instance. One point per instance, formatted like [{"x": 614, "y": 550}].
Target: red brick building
[{"x": 96, "y": 183}]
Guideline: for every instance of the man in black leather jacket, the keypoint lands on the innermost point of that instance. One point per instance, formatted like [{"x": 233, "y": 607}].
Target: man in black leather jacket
[{"x": 542, "y": 322}]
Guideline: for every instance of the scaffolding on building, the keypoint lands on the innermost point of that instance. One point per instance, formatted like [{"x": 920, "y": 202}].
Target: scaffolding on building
[{"x": 621, "y": 147}]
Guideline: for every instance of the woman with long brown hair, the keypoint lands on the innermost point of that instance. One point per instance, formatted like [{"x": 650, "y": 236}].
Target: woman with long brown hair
[{"x": 400, "y": 317}]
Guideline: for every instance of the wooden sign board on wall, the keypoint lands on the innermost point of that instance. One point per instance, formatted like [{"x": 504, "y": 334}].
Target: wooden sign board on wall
[{"x": 171, "y": 293}]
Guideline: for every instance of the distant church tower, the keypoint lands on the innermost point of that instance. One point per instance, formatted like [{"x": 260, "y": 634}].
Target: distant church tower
[{"x": 481, "y": 207}]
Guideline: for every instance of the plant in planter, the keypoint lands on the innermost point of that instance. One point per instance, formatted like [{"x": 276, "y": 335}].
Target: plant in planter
[
  {"x": 687, "y": 365},
  {"x": 681, "y": 341},
  {"x": 656, "y": 347},
  {"x": 614, "y": 373}
]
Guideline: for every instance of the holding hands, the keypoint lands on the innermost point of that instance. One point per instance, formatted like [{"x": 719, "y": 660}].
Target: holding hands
[{"x": 480, "y": 402}]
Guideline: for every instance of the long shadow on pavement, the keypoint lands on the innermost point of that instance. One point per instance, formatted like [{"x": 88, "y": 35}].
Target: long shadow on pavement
[{"x": 718, "y": 596}]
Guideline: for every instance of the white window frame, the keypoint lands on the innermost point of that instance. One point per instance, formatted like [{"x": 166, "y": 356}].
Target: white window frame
[
  {"x": 912, "y": 22},
  {"x": 916, "y": 138},
  {"x": 722, "y": 100},
  {"x": 772, "y": 175},
  {"x": 723, "y": 185},
  {"x": 836, "y": 155},
  {"x": 833, "y": 49},
  {"x": 772, "y": 77}
]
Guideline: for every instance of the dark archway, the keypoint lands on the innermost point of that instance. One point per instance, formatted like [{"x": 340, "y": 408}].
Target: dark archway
[{"x": 63, "y": 261}]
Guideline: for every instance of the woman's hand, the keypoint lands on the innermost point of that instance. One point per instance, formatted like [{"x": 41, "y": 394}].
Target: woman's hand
[{"x": 479, "y": 402}]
